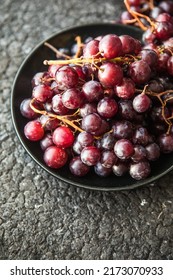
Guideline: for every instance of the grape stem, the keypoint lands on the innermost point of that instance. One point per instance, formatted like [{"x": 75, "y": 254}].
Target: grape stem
[
  {"x": 64, "y": 118},
  {"x": 137, "y": 16},
  {"x": 90, "y": 60},
  {"x": 163, "y": 103}
]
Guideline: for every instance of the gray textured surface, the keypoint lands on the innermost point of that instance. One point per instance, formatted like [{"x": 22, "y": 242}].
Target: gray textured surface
[{"x": 41, "y": 218}]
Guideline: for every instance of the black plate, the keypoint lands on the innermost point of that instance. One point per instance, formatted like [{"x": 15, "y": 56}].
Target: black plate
[{"x": 22, "y": 89}]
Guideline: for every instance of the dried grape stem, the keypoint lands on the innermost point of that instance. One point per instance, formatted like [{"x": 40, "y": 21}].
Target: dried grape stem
[
  {"x": 64, "y": 119},
  {"x": 56, "y": 51},
  {"x": 137, "y": 16},
  {"x": 90, "y": 60},
  {"x": 163, "y": 103},
  {"x": 79, "y": 46}
]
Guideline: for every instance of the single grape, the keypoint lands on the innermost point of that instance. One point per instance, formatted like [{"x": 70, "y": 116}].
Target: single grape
[
  {"x": 46, "y": 141},
  {"x": 91, "y": 122},
  {"x": 42, "y": 93},
  {"x": 165, "y": 142},
  {"x": 140, "y": 72},
  {"x": 40, "y": 78},
  {"x": 77, "y": 148},
  {"x": 101, "y": 170},
  {"x": 92, "y": 91},
  {"x": 141, "y": 103},
  {"x": 139, "y": 153},
  {"x": 72, "y": 98},
  {"x": 140, "y": 170},
  {"x": 122, "y": 129},
  {"x": 85, "y": 139},
  {"x": 107, "y": 141},
  {"x": 126, "y": 89},
  {"x": 58, "y": 106},
  {"x": 126, "y": 110},
  {"x": 48, "y": 123},
  {"x": 153, "y": 151},
  {"x": 77, "y": 167},
  {"x": 91, "y": 49},
  {"x": 110, "y": 46},
  {"x": 120, "y": 168},
  {"x": 90, "y": 155},
  {"x": 87, "y": 108},
  {"x": 55, "y": 157},
  {"x": 107, "y": 107},
  {"x": 123, "y": 149},
  {"x": 63, "y": 137},
  {"x": 141, "y": 136},
  {"x": 128, "y": 44},
  {"x": 150, "y": 57},
  {"x": 66, "y": 77},
  {"x": 110, "y": 74},
  {"x": 33, "y": 130},
  {"x": 108, "y": 158},
  {"x": 26, "y": 109}
]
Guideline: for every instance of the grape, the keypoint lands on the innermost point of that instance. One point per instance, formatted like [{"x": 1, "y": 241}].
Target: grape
[
  {"x": 110, "y": 74},
  {"x": 33, "y": 130},
  {"x": 167, "y": 6},
  {"x": 165, "y": 142},
  {"x": 140, "y": 72},
  {"x": 92, "y": 91},
  {"x": 42, "y": 93},
  {"x": 139, "y": 153},
  {"x": 91, "y": 49},
  {"x": 49, "y": 123},
  {"x": 140, "y": 170},
  {"x": 153, "y": 151},
  {"x": 91, "y": 122},
  {"x": 122, "y": 129},
  {"x": 78, "y": 168},
  {"x": 72, "y": 98},
  {"x": 87, "y": 108},
  {"x": 63, "y": 137},
  {"x": 46, "y": 141},
  {"x": 141, "y": 103},
  {"x": 108, "y": 159},
  {"x": 40, "y": 78},
  {"x": 77, "y": 147},
  {"x": 120, "y": 168},
  {"x": 107, "y": 141},
  {"x": 141, "y": 136},
  {"x": 58, "y": 106},
  {"x": 126, "y": 89},
  {"x": 110, "y": 46},
  {"x": 128, "y": 44},
  {"x": 26, "y": 110},
  {"x": 85, "y": 139},
  {"x": 126, "y": 110},
  {"x": 107, "y": 107},
  {"x": 55, "y": 157},
  {"x": 101, "y": 170},
  {"x": 90, "y": 155},
  {"x": 150, "y": 57},
  {"x": 123, "y": 149},
  {"x": 66, "y": 77},
  {"x": 164, "y": 30}
]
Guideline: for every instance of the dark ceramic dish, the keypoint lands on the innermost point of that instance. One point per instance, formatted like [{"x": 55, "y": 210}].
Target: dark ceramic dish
[{"x": 22, "y": 89}]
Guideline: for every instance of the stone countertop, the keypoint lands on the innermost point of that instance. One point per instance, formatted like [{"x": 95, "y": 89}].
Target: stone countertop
[{"x": 43, "y": 218}]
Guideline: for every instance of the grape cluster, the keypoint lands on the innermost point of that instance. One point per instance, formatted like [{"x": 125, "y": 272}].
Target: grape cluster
[{"x": 108, "y": 107}]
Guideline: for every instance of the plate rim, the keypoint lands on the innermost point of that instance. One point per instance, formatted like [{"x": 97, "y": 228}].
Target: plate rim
[{"x": 127, "y": 187}]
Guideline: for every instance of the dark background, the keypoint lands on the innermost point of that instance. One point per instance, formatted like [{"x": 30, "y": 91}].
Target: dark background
[{"x": 42, "y": 218}]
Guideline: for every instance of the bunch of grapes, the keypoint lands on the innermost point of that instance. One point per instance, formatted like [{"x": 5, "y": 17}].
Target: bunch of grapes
[{"x": 108, "y": 106}]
